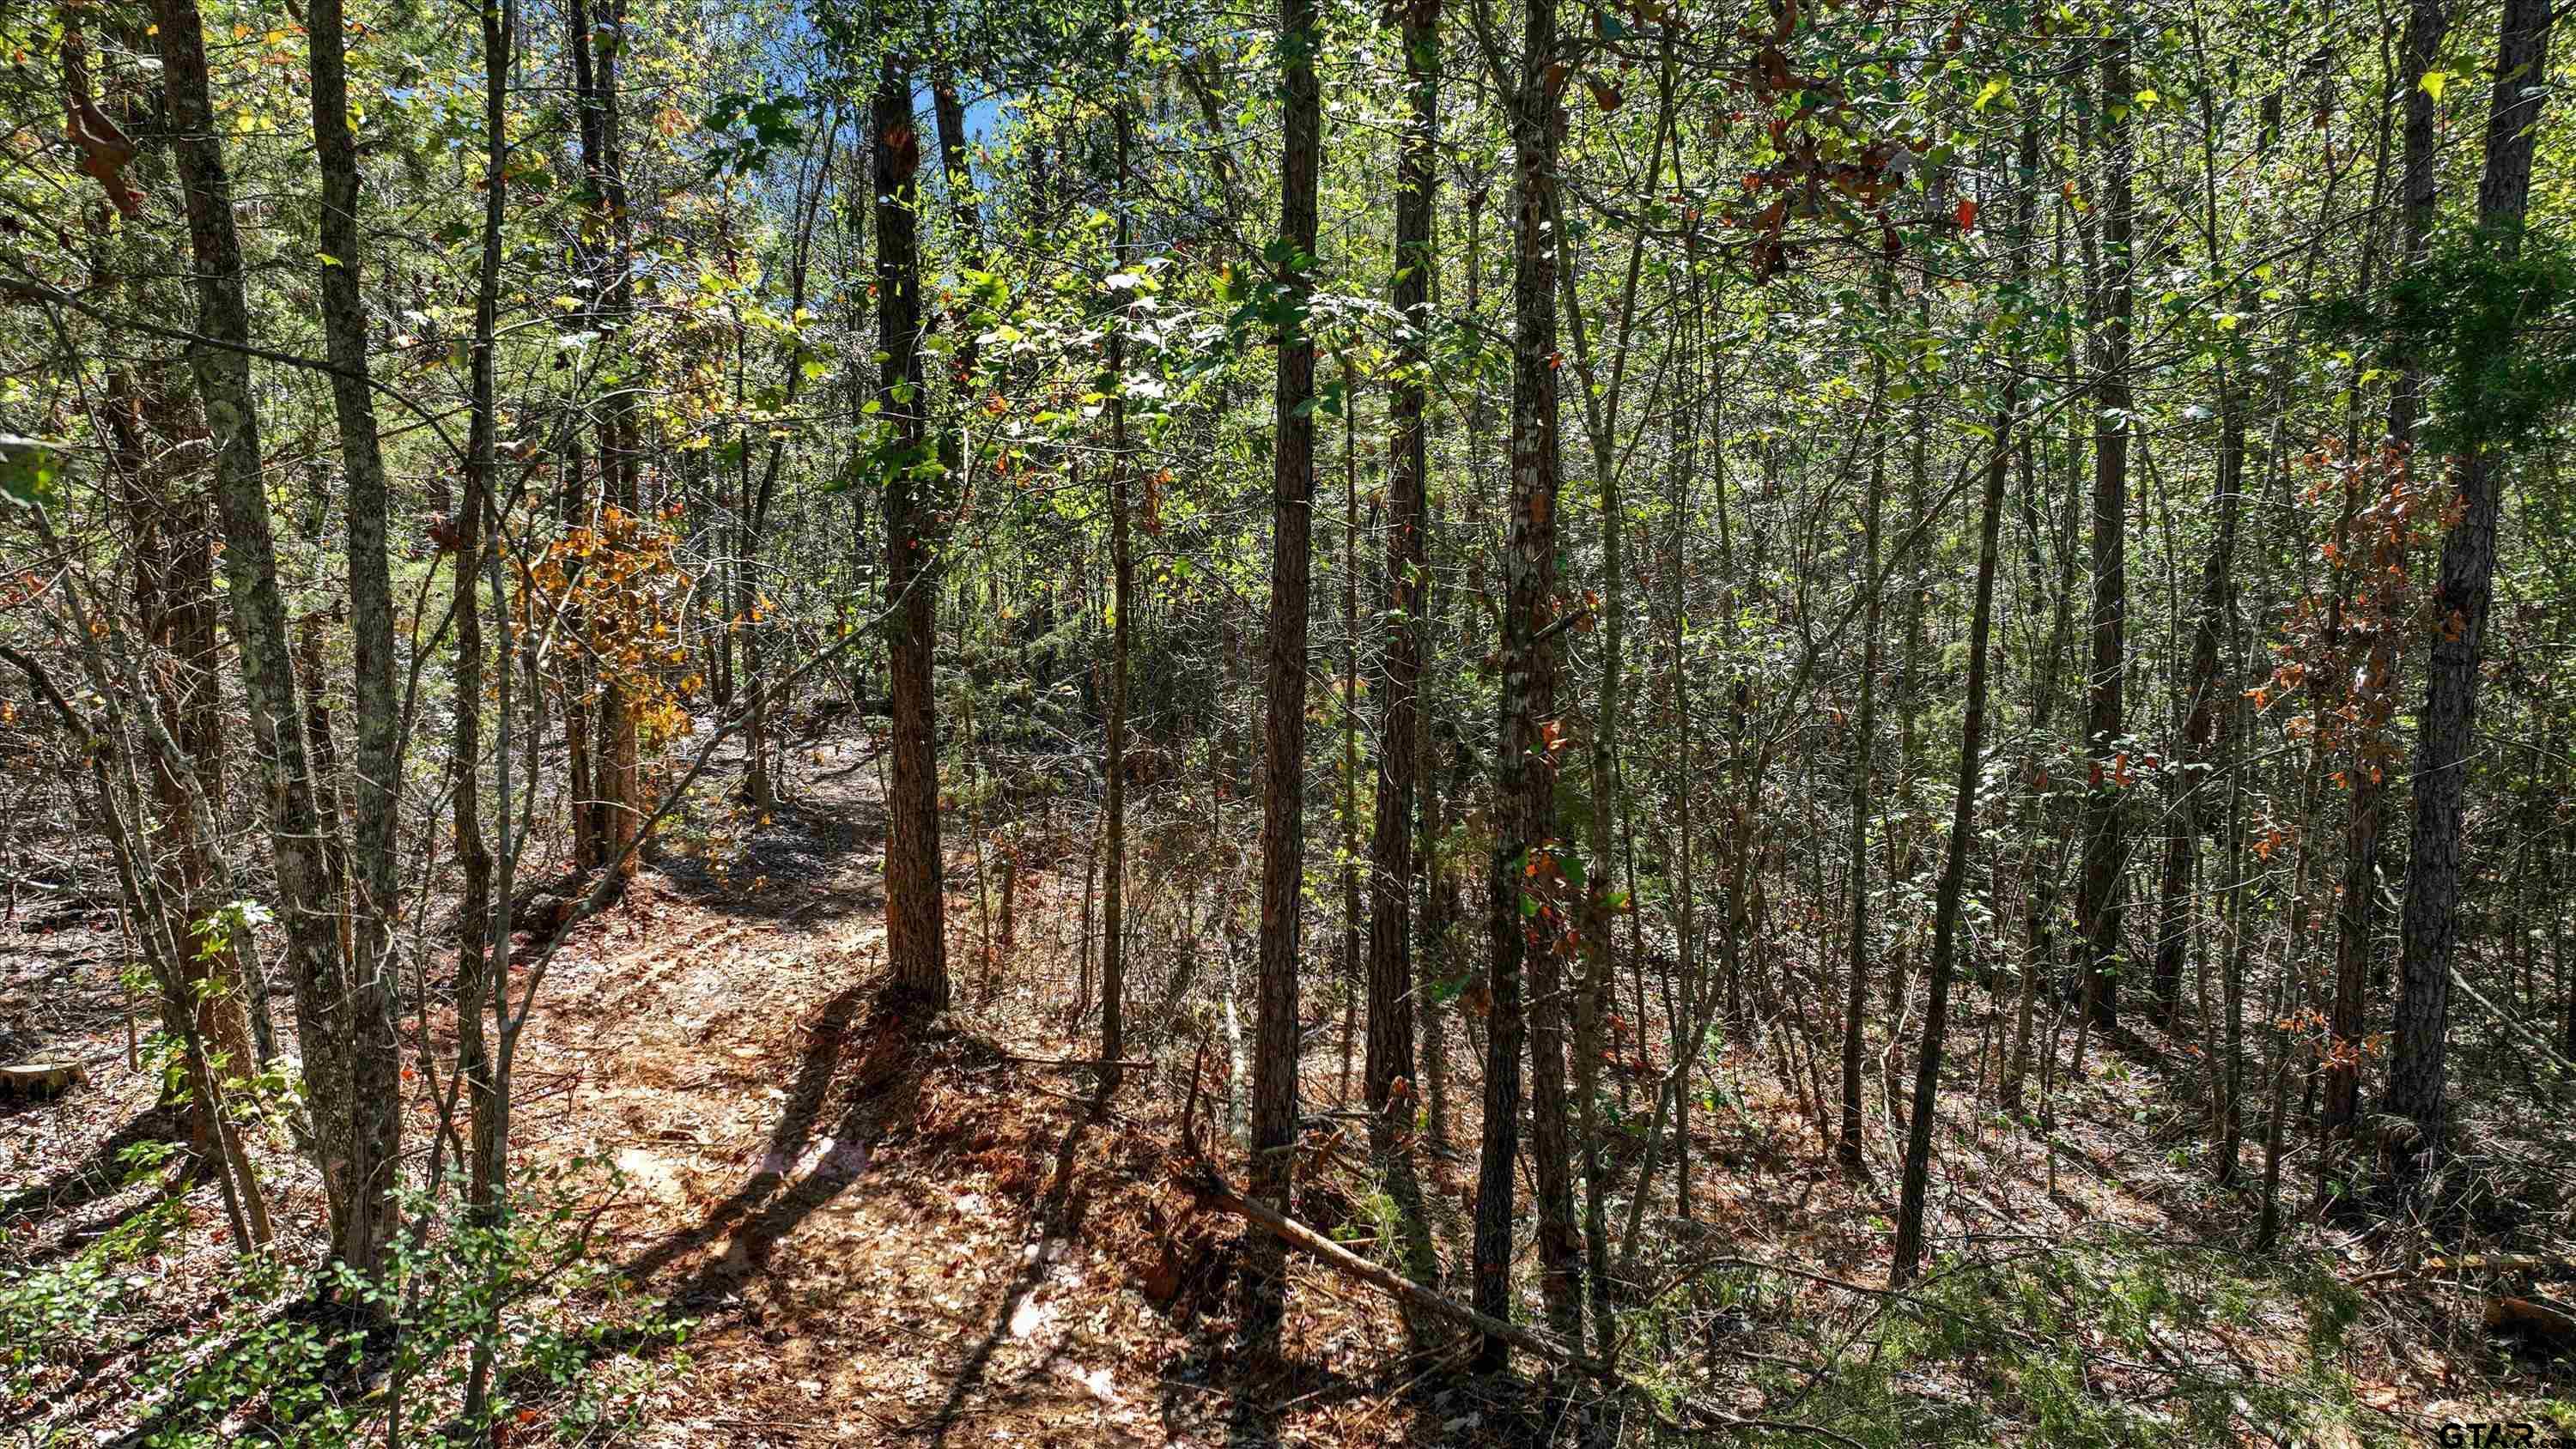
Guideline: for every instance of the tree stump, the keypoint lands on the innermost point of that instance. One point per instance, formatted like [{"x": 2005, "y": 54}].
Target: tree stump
[{"x": 39, "y": 1080}]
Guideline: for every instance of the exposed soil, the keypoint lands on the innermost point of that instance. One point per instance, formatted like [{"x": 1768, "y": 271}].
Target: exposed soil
[{"x": 898, "y": 1232}]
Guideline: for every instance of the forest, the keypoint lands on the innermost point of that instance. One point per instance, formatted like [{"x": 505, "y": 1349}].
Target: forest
[{"x": 1135, "y": 722}]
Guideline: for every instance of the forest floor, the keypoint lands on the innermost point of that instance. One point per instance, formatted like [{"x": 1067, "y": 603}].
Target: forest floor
[{"x": 892, "y": 1236}]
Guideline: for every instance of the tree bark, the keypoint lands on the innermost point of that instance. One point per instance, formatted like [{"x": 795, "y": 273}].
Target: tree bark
[
  {"x": 2428, "y": 25},
  {"x": 1392, "y": 863},
  {"x": 1520, "y": 921},
  {"x": 916, "y": 920},
  {"x": 1122, "y": 564},
  {"x": 2462, "y": 594},
  {"x": 1847, "y": 1140},
  {"x": 617, "y": 799},
  {"x": 1963, "y": 823},
  {"x": 1283, "y": 766},
  {"x": 2105, "y": 844},
  {"x": 374, "y": 812},
  {"x": 479, "y": 957},
  {"x": 362, "y": 1212}
]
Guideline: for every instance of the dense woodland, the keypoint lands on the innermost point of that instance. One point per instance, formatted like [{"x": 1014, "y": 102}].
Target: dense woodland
[{"x": 1635, "y": 695}]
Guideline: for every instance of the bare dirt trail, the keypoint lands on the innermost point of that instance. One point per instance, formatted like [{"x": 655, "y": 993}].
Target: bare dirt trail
[{"x": 892, "y": 1235}]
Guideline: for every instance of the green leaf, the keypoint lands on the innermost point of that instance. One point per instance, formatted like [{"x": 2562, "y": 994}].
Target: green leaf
[
  {"x": 31, "y": 472},
  {"x": 2434, "y": 82}
]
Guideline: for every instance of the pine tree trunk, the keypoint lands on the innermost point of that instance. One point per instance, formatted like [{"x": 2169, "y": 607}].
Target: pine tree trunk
[
  {"x": 1519, "y": 921},
  {"x": 1393, "y": 861},
  {"x": 916, "y": 919},
  {"x": 1276, "y": 1050},
  {"x": 2465, "y": 588},
  {"x": 2101, "y": 906},
  {"x": 1391, "y": 857}
]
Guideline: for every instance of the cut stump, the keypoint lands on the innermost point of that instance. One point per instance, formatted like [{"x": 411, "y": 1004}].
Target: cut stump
[{"x": 39, "y": 1080}]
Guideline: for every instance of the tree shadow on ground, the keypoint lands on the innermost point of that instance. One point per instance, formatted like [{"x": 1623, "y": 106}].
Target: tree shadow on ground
[
  {"x": 99, "y": 1174},
  {"x": 768, "y": 1206},
  {"x": 1429, "y": 1397},
  {"x": 791, "y": 864},
  {"x": 1059, "y": 1219}
]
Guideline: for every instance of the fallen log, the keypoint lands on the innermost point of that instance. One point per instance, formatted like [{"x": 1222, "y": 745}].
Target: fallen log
[
  {"x": 1215, "y": 1192},
  {"x": 1209, "y": 1187},
  {"x": 1124, "y": 1063},
  {"x": 2536, "y": 1320}
]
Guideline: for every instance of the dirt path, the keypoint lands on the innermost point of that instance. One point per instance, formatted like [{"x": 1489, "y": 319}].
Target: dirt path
[{"x": 888, "y": 1238}]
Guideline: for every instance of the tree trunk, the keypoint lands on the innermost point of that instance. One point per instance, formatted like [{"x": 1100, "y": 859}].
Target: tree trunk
[
  {"x": 2200, "y": 705},
  {"x": 2465, "y": 588},
  {"x": 362, "y": 1212},
  {"x": 373, "y": 885},
  {"x": 1354, "y": 932},
  {"x": 1392, "y": 863},
  {"x": 1847, "y": 1143},
  {"x": 1522, "y": 923},
  {"x": 616, "y": 785},
  {"x": 2428, "y": 25},
  {"x": 916, "y": 921},
  {"x": 1283, "y": 766},
  {"x": 2105, "y": 845},
  {"x": 480, "y": 958},
  {"x": 1963, "y": 820},
  {"x": 1122, "y": 563}
]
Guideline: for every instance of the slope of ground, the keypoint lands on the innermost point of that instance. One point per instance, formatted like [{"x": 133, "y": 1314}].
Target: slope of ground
[{"x": 899, "y": 1232}]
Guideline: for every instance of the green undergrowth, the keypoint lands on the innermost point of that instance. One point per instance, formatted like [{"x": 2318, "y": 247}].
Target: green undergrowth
[
  {"x": 262, "y": 1349},
  {"x": 2114, "y": 1343}
]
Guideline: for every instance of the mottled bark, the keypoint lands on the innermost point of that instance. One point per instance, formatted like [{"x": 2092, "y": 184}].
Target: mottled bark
[
  {"x": 1524, "y": 760},
  {"x": 374, "y": 791},
  {"x": 362, "y": 1216}
]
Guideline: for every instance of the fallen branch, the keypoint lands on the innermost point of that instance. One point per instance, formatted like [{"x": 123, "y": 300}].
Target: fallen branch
[
  {"x": 1146, "y": 1063},
  {"x": 1213, "y": 1191},
  {"x": 2535, "y": 1318},
  {"x": 2540, "y": 1268},
  {"x": 1210, "y": 1188}
]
